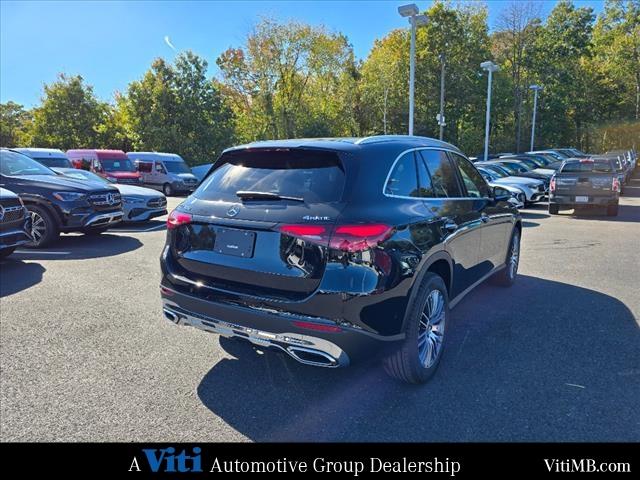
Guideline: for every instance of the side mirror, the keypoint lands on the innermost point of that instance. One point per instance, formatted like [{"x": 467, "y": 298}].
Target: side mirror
[{"x": 501, "y": 194}]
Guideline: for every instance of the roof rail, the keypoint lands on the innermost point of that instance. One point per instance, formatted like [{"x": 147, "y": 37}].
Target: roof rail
[{"x": 388, "y": 138}]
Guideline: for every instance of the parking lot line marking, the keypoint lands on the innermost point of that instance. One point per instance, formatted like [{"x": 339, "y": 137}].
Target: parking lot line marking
[
  {"x": 130, "y": 230},
  {"x": 41, "y": 252},
  {"x": 574, "y": 385}
]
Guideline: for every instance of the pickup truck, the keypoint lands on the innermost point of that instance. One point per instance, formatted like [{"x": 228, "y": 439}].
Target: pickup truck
[{"x": 581, "y": 182}]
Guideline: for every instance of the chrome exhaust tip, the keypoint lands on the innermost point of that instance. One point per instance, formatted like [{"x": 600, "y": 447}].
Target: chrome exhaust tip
[
  {"x": 309, "y": 356},
  {"x": 169, "y": 315}
]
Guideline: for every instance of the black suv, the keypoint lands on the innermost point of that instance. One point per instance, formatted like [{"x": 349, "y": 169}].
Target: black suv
[
  {"x": 58, "y": 203},
  {"x": 15, "y": 223},
  {"x": 336, "y": 249}
]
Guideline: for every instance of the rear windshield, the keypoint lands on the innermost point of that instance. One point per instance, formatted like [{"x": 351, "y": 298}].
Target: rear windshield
[
  {"x": 315, "y": 176},
  {"x": 54, "y": 162},
  {"x": 598, "y": 166}
]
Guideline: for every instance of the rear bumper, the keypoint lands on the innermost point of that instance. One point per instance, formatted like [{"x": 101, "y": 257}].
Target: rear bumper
[
  {"x": 275, "y": 329},
  {"x": 570, "y": 200}
]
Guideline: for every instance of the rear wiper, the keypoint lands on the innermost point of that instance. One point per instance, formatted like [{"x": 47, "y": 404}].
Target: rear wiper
[{"x": 249, "y": 195}]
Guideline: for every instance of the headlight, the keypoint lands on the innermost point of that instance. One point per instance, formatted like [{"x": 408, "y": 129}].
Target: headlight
[
  {"x": 129, "y": 199},
  {"x": 68, "y": 196}
]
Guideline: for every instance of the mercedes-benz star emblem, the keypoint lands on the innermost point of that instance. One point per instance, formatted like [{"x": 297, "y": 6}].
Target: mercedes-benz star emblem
[
  {"x": 233, "y": 211},
  {"x": 111, "y": 199}
]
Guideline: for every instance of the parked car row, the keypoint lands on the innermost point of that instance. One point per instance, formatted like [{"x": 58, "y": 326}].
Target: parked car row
[
  {"x": 166, "y": 172},
  {"x": 65, "y": 199}
]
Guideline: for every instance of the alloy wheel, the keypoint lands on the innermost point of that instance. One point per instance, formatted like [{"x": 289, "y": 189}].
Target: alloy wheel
[
  {"x": 514, "y": 256},
  {"x": 431, "y": 330},
  {"x": 38, "y": 228}
]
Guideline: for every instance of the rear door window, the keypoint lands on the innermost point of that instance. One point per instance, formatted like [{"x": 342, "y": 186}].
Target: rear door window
[
  {"x": 403, "y": 180},
  {"x": 315, "y": 176},
  {"x": 474, "y": 183},
  {"x": 444, "y": 182}
]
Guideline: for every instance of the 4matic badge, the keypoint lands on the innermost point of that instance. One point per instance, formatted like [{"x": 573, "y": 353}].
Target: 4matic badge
[{"x": 315, "y": 218}]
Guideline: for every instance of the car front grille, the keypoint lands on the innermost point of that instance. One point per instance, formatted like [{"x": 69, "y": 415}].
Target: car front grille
[
  {"x": 106, "y": 199},
  {"x": 157, "y": 202},
  {"x": 11, "y": 214},
  {"x": 129, "y": 181}
]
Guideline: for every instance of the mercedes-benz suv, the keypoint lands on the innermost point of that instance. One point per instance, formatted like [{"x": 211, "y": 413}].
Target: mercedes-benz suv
[
  {"x": 58, "y": 203},
  {"x": 338, "y": 249}
]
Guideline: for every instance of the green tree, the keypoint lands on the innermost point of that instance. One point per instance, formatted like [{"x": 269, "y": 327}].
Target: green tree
[
  {"x": 14, "y": 124},
  {"x": 563, "y": 45},
  {"x": 616, "y": 41},
  {"x": 176, "y": 108},
  {"x": 292, "y": 80},
  {"x": 68, "y": 115}
]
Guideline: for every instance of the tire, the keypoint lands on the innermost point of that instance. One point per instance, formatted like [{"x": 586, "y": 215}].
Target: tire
[
  {"x": 167, "y": 190},
  {"x": 95, "y": 231},
  {"x": 5, "y": 252},
  {"x": 507, "y": 276},
  {"x": 44, "y": 228},
  {"x": 553, "y": 209},
  {"x": 612, "y": 210},
  {"x": 413, "y": 361}
]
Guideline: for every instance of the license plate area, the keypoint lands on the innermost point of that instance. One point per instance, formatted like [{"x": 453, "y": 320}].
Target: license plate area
[
  {"x": 234, "y": 242},
  {"x": 582, "y": 199}
]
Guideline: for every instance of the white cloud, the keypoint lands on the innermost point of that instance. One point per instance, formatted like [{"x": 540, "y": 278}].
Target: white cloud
[{"x": 168, "y": 42}]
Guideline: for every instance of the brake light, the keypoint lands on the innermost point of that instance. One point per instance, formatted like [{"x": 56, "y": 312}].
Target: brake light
[
  {"x": 552, "y": 184},
  {"x": 348, "y": 238},
  {"x": 177, "y": 219},
  {"x": 615, "y": 185}
]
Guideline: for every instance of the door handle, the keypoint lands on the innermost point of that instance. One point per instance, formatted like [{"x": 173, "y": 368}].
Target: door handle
[
  {"x": 485, "y": 218},
  {"x": 450, "y": 226}
]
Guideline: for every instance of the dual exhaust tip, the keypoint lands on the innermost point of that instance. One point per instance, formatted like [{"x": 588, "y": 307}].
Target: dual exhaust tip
[{"x": 307, "y": 356}]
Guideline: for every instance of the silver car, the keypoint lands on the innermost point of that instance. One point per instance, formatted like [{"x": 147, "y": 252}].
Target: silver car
[{"x": 139, "y": 204}]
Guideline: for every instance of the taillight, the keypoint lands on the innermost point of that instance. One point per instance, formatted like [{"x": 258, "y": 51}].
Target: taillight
[
  {"x": 348, "y": 238},
  {"x": 552, "y": 184},
  {"x": 355, "y": 238},
  {"x": 615, "y": 185},
  {"x": 178, "y": 218}
]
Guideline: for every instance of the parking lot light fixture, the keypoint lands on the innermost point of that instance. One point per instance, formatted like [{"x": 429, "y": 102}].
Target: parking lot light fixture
[
  {"x": 536, "y": 89},
  {"x": 490, "y": 67},
  {"x": 412, "y": 12}
]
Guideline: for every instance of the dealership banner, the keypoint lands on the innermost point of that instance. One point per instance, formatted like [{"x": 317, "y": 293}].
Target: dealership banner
[{"x": 454, "y": 460}]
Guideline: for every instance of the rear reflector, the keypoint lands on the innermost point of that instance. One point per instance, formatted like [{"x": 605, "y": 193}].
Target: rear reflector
[
  {"x": 166, "y": 291},
  {"x": 552, "y": 184},
  {"x": 319, "y": 327},
  {"x": 178, "y": 218},
  {"x": 348, "y": 238}
]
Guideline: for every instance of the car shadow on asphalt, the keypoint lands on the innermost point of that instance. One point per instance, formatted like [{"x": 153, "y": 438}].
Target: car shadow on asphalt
[
  {"x": 81, "y": 247},
  {"x": 542, "y": 361},
  {"x": 16, "y": 275}
]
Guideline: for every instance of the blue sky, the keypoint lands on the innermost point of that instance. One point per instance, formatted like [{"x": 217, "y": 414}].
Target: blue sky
[{"x": 111, "y": 43}]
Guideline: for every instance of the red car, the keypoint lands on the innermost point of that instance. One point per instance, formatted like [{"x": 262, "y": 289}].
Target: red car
[{"x": 114, "y": 165}]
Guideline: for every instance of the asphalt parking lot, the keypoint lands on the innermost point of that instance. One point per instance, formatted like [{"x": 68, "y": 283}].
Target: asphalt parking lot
[{"x": 87, "y": 355}]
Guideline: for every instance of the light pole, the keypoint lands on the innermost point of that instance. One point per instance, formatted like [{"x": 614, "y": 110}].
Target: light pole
[
  {"x": 536, "y": 89},
  {"x": 411, "y": 11},
  {"x": 490, "y": 67},
  {"x": 441, "y": 114}
]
